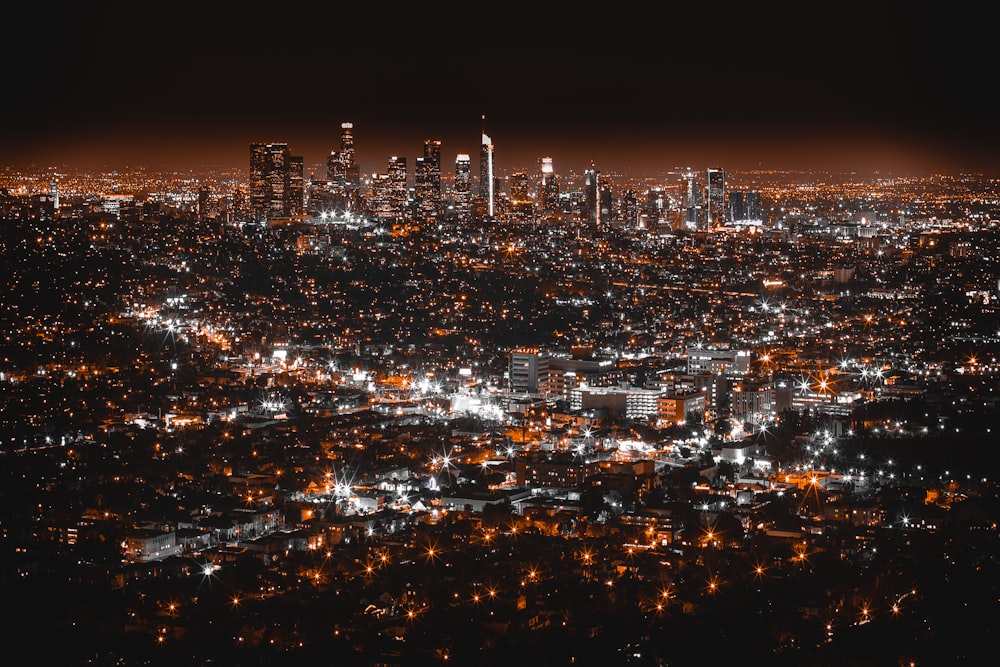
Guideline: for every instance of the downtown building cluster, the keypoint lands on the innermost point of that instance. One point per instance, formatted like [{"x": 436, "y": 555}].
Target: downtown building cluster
[{"x": 279, "y": 191}]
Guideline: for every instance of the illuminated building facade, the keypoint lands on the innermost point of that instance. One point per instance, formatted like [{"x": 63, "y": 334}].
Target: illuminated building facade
[
  {"x": 591, "y": 195},
  {"x": 487, "y": 186},
  {"x": 463, "y": 187},
  {"x": 389, "y": 192},
  {"x": 521, "y": 204},
  {"x": 716, "y": 213},
  {"x": 548, "y": 186},
  {"x": 276, "y": 184},
  {"x": 720, "y": 362},
  {"x": 675, "y": 408},
  {"x": 752, "y": 402},
  {"x": 529, "y": 371},
  {"x": 745, "y": 208},
  {"x": 692, "y": 204},
  {"x": 427, "y": 180},
  {"x": 341, "y": 166}
]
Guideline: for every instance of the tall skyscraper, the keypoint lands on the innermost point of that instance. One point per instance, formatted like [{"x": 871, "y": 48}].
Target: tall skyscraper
[
  {"x": 427, "y": 180},
  {"x": 463, "y": 187},
  {"x": 486, "y": 185},
  {"x": 397, "y": 175},
  {"x": 745, "y": 208},
  {"x": 277, "y": 189},
  {"x": 716, "y": 213},
  {"x": 548, "y": 186},
  {"x": 591, "y": 195},
  {"x": 604, "y": 203},
  {"x": 342, "y": 171},
  {"x": 204, "y": 201},
  {"x": 521, "y": 204},
  {"x": 755, "y": 211},
  {"x": 692, "y": 203},
  {"x": 630, "y": 207},
  {"x": 389, "y": 194}
]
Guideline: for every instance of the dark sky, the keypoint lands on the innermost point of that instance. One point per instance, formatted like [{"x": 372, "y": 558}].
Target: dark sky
[{"x": 648, "y": 87}]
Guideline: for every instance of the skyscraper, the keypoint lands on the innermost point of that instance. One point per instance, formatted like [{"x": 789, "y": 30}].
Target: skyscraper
[
  {"x": 692, "y": 203},
  {"x": 486, "y": 184},
  {"x": 341, "y": 167},
  {"x": 427, "y": 180},
  {"x": 521, "y": 204},
  {"x": 463, "y": 187},
  {"x": 716, "y": 180},
  {"x": 745, "y": 208},
  {"x": 591, "y": 195},
  {"x": 397, "y": 175},
  {"x": 342, "y": 171},
  {"x": 548, "y": 186},
  {"x": 277, "y": 188}
]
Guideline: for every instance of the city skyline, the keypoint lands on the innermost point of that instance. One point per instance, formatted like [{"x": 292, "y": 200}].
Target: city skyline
[{"x": 874, "y": 90}]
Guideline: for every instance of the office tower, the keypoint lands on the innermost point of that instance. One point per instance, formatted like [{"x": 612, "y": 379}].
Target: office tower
[
  {"x": 427, "y": 180},
  {"x": 754, "y": 211},
  {"x": 204, "y": 199},
  {"x": 745, "y": 208},
  {"x": 486, "y": 185},
  {"x": 604, "y": 202},
  {"x": 591, "y": 195},
  {"x": 463, "y": 187},
  {"x": 692, "y": 203},
  {"x": 380, "y": 197},
  {"x": 521, "y": 204},
  {"x": 296, "y": 186},
  {"x": 548, "y": 186},
  {"x": 716, "y": 213},
  {"x": 341, "y": 166},
  {"x": 737, "y": 207},
  {"x": 396, "y": 191},
  {"x": 656, "y": 203},
  {"x": 528, "y": 371},
  {"x": 388, "y": 197},
  {"x": 343, "y": 173},
  {"x": 630, "y": 207},
  {"x": 276, "y": 183},
  {"x": 54, "y": 194}
]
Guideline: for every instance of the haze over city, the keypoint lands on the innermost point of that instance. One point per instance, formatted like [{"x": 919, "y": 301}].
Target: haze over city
[{"x": 862, "y": 86}]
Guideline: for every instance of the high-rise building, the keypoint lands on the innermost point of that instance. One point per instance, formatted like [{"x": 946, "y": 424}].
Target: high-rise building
[
  {"x": 427, "y": 180},
  {"x": 397, "y": 177},
  {"x": 343, "y": 173},
  {"x": 487, "y": 187},
  {"x": 591, "y": 195},
  {"x": 630, "y": 208},
  {"x": 754, "y": 210},
  {"x": 548, "y": 186},
  {"x": 204, "y": 201},
  {"x": 716, "y": 213},
  {"x": 604, "y": 203},
  {"x": 521, "y": 204},
  {"x": 341, "y": 166},
  {"x": 745, "y": 208},
  {"x": 463, "y": 187},
  {"x": 692, "y": 203},
  {"x": 656, "y": 203},
  {"x": 528, "y": 371},
  {"x": 389, "y": 194},
  {"x": 277, "y": 189}
]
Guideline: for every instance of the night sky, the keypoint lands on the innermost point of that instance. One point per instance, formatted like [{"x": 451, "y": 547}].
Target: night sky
[{"x": 882, "y": 86}]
